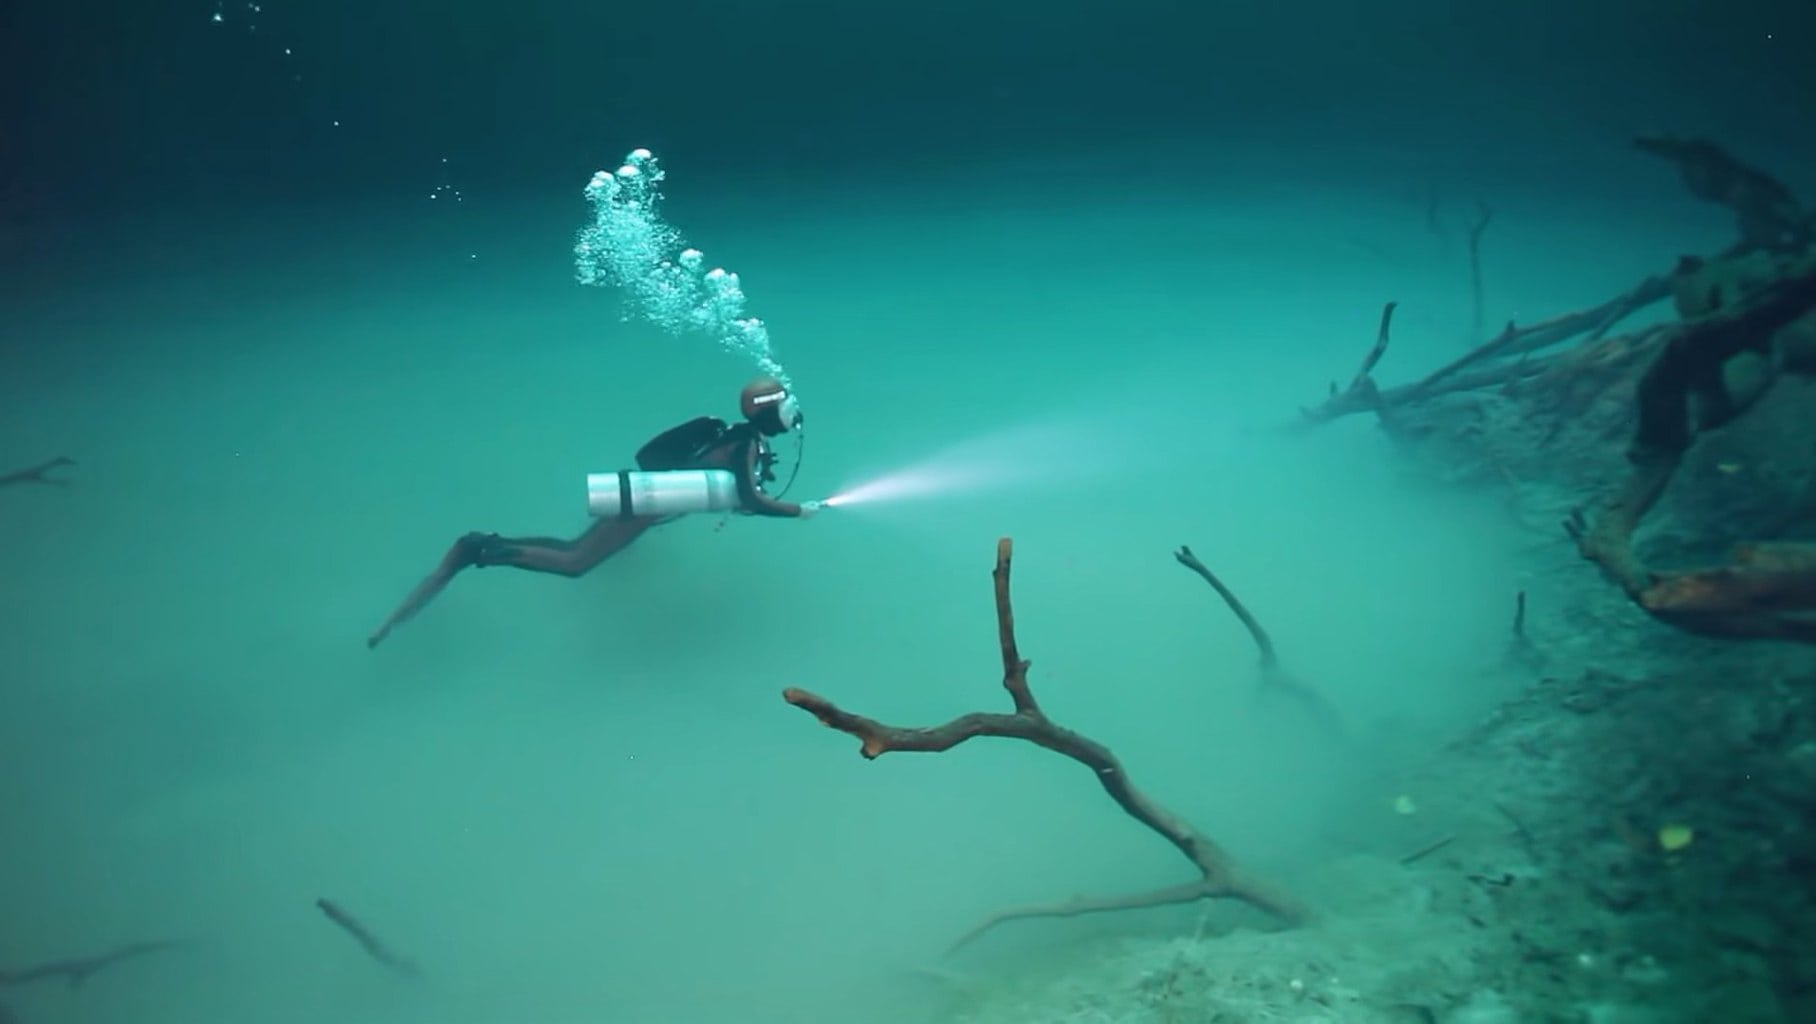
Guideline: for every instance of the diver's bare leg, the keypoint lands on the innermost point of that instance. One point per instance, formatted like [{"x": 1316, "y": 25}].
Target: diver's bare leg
[{"x": 571, "y": 558}]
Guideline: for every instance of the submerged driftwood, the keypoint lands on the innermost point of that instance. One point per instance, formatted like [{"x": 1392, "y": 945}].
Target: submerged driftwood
[{"x": 1219, "y": 877}]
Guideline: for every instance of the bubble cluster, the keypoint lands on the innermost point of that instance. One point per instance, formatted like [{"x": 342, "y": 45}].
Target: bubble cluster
[
  {"x": 628, "y": 246},
  {"x": 446, "y": 189},
  {"x": 250, "y": 19}
]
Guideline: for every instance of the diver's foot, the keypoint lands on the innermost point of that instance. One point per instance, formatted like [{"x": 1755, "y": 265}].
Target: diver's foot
[{"x": 473, "y": 549}]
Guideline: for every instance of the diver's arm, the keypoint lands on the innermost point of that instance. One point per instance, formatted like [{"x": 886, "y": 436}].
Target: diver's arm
[{"x": 755, "y": 501}]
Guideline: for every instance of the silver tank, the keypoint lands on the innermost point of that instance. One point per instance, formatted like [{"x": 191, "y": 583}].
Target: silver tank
[{"x": 668, "y": 493}]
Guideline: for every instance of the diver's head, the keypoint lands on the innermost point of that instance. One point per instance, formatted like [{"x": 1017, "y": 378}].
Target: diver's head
[{"x": 768, "y": 404}]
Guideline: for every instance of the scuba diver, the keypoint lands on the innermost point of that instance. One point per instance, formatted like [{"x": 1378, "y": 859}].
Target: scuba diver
[{"x": 703, "y": 443}]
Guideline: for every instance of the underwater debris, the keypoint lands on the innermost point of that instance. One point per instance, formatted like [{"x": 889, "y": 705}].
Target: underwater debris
[
  {"x": 1767, "y": 591},
  {"x": 1769, "y": 215},
  {"x": 374, "y": 948},
  {"x": 1484, "y": 214},
  {"x": 1514, "y": 344},
  {"x": 1276, "y": 681},
  {"x": 1219, "y": 876},
  {"x": 1746, "y": 319},
  {"x": 77, "y": 970},
  {"x": 38, "y": 474}
]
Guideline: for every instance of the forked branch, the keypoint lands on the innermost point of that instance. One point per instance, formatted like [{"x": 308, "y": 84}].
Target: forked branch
[
  {"x": 1219, "y": 876},
  {"x": 1508, "y": 357},
  {"x": 77, "y": 970},
  {"x": 39, "y": 474}
]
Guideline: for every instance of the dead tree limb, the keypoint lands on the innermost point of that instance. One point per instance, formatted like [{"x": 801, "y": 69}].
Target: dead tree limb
[
  {"x": 1502, "y": 359},
  {"x": 1362, "y": 394},
  {"x": 1768, "y": 214},
  {"x": 1477, "y": 313},
  {"x": 1521, "y": 651},
  {"x": 1768, "y": 591},
  {"x": 1219, "y": 876},
  {"x": 1770, "y": 217},
  {"x": 1518, "y": 341},
  {"x": 374, "y": 948},
  {"x": 1428, "y": 849},
  {"x": 1275, "y": 680},
  {"x": 39, "y": 474},
  {"x": 77, "y": 970},
  {"x": 1270, "y": 660}
]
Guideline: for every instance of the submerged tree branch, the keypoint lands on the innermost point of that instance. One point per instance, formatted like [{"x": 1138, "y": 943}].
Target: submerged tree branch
[
  {"x": 39, "y": 474},
  {"x": 77, "y": 970},
  {"x": 1362, "y": 395},
  {"x": 1505, "y": 358},
  {"x": 1769, "y": 591},
  {"x": 1219, "y": 876},
  {"x": 368, "y": 941},
  {"x": 1275, "y": 680}
]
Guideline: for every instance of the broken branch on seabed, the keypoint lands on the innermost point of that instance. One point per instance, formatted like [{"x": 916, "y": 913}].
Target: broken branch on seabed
[
  {"x": 1476, "y": 308},
  {"x": 1490, "y": 364},
  {"x": 1362, "y": 394},
  {"x": 39, "y": 474},
  {"x": 1219, "y": 875},
  {"x": 1768, "y": 591},
  {"x": 368, "y": 941},
  {"x": 1275, "y": 680},
  {"x": 77, "y": 970}
]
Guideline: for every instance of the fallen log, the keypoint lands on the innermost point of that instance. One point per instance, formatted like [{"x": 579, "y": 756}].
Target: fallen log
[
  {"x": 1767, "y": 591},
  {"x": 1510, "y": 356}
]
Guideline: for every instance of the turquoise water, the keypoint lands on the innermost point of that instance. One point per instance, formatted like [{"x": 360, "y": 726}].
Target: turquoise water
[{"x": 585, "y": 800}]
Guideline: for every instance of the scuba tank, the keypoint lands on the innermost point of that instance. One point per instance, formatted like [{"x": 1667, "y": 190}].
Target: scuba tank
[
  {"x": 634, "y": 492},
  {"x": 663, "y": 486}
]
